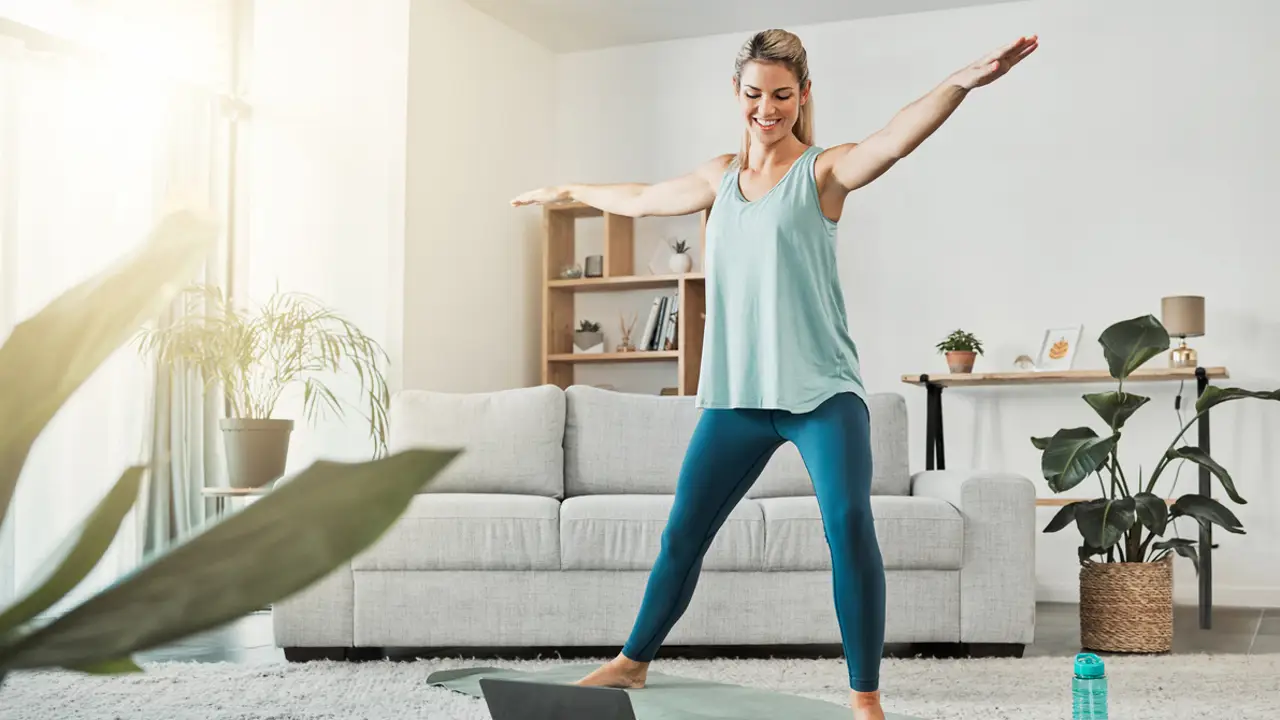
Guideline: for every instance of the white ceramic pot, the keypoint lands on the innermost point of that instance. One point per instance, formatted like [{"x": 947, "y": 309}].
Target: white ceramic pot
[
  {"x": 680, "y": 263},
  {"x": 584, "y": 342},
  {"x": 256, "y": 449}
]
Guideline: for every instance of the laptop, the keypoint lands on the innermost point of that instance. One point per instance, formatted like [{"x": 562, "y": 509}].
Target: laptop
[{"x": 525, "y": 700}]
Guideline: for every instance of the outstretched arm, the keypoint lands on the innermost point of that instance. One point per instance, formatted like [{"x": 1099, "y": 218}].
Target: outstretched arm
[
  {"x": 855, "y": 164},
  {"x": 678, "y": 196}
]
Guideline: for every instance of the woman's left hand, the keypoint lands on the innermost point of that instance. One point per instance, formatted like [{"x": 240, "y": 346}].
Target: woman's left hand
[{"x": 994, "y": 65}]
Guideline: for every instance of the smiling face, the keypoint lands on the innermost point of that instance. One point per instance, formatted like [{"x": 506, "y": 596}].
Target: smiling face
[{"x": 770, "y": 97}]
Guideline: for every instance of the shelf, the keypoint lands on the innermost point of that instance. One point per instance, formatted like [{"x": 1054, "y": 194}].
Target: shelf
[
  {"x": 1063, "y": 502},
  {"x": 573, "y": 209},
  {"x": 619, "y": 273},
  {"x": 627, "y": 282},
  {"x": 1031, "y": 377},
  {"x": 611, "y": 357}
]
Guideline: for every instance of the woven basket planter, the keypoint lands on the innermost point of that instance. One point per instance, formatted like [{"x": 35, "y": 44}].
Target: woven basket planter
[{"x": 1127, "y": 607}]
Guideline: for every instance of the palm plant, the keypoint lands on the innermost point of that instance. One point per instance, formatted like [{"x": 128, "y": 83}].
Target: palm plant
[
  {"x": 255, "y": 356},
  {"x": 300, "y": 531}
]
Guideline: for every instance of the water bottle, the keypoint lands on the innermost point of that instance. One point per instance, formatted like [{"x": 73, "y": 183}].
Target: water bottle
[{"x": 1089, "y": 688}]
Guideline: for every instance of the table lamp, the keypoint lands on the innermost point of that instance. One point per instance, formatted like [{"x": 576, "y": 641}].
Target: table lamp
[{"x": 1183, "y": 317}]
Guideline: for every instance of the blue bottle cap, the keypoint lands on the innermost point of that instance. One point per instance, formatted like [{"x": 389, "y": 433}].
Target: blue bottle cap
[{"x": 1089, "y": 665}]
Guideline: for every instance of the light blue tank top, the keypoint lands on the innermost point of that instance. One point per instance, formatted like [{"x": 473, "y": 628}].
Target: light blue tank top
[{"x": 776, "y": 331}]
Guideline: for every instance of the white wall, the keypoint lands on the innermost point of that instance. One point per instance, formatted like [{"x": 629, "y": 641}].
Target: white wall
[
  {"x": 1132, "y": 157},
  {"x": 384, "y": 148},
  {"x": 326, "y": 165},
  {"x": 481, "y": 101}
]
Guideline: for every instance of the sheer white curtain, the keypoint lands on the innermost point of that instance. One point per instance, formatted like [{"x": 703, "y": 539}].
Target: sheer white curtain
[{"x": 90, "y": 154}]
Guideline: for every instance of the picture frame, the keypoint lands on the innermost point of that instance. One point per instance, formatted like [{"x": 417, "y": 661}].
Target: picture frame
[{"x": 1058, "y": 348}]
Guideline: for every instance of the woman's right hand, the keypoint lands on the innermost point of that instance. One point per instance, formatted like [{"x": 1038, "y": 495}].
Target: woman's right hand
[{"x": 541, "y": 196}]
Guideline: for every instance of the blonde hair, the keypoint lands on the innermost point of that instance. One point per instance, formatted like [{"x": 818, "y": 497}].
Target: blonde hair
[{"x": 777, "y": 46}]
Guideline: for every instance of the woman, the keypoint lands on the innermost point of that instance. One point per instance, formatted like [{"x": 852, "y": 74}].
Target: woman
[{"x": 778, "y": 363}]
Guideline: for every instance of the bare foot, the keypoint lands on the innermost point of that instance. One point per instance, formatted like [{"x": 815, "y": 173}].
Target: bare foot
[
  {"x": 620, "y": 672},
  {"x": 866, "y": 705}
]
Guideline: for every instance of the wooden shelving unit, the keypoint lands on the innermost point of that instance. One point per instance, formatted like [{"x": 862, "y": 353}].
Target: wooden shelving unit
[{"x": 558, "y": 322}]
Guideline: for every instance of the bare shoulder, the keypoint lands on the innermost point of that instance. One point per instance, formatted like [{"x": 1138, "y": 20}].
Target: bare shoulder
[
  {"x": 830, "y": 157},
  {"x": 713, "y": 170}
]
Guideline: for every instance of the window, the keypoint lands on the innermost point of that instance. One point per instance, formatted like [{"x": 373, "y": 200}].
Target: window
[{"x": 110, "y": 111}]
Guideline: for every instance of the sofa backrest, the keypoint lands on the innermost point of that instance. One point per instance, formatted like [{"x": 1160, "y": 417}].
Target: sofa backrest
[
  {"x": 512, "y": 440},
  {"x": 618, "y": 442}
]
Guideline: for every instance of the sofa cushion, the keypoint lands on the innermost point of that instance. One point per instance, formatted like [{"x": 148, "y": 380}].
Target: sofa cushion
[
  {"x": 624, "y": 532},
  {"x": 617, "y": 442},
  {"x": 891, "y": 474},
  {"x": 913, "y": 534},
  {"x": 466, "y": 531},
  {"x": 511, "y": 440}
]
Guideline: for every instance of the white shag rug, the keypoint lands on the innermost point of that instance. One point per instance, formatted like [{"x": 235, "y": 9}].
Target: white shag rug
[{"x": 1194, "y": 687}]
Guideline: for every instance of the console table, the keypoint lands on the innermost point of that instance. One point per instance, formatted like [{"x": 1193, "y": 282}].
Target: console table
[{"x": 935, "y": 448}]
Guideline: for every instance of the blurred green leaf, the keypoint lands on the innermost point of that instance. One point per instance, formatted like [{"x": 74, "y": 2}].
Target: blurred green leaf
[
  {"x": 1063, "y": 517},
  {"x": 1189, "y": 552},
  {"x": 1153, "y": 511},
  {"x": 1130, "y": 343},
  {"x": 1103, "y": 522},
  {"x": 1074, "y": 454},
  {"x": 1086, "y": 551},
  {"x": 1214, "y": 395},
  {"x": 1115, "y": 407},
  {"x": 280, "y": 544},
  {"x": 1172, "y": 543},
  {"x": 1042, "y": 443},
  {"x": 84, "y": 549},
  {"x": 1201, "y": 458},
  {"x": 50, "y": 355},
  {"x": 1206, "y": 510},
  {"x": 1183, "y": 547}
]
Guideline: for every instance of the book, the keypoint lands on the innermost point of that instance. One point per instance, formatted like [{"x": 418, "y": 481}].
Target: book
[{"x": 644, "y": 342}]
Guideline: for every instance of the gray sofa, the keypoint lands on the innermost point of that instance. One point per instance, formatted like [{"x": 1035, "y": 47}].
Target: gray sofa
[{"x": 542, "y": 533}]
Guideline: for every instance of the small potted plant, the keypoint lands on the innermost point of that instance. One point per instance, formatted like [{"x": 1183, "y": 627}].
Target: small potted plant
[
  {"x": 962, "y": 349},
  {"x": 588, "y": 338},
  {"x": 680, "y": 262}
]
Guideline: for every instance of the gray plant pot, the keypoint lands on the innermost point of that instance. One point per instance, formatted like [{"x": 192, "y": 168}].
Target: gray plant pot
[
  {"x": 585, "y": 340},
  {"x": 256, "y": 450}
]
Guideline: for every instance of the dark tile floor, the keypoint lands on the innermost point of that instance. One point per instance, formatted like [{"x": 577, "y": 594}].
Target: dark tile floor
[{"x": 1235, "y": 630}]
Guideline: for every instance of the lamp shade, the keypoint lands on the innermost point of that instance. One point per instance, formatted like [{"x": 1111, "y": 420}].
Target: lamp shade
[{"x": 1183, "y": 315}]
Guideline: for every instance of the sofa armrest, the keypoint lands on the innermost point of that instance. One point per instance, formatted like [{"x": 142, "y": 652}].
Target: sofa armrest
[{"x": 998, "y": 577}]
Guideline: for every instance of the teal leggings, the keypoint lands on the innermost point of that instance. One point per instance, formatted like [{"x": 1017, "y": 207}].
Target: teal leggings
[{"x": 726, "y": 454}]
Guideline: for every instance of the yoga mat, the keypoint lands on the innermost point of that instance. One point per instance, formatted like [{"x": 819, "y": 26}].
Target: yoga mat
[{"x": 669, "y": 697}]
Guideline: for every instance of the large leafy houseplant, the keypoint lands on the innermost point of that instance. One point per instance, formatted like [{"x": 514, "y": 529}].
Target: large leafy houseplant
[
  {"x": 300, "y": 531},
  {"x": 1130, "y": 522},
  {"x": 255, "y": 355}
]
